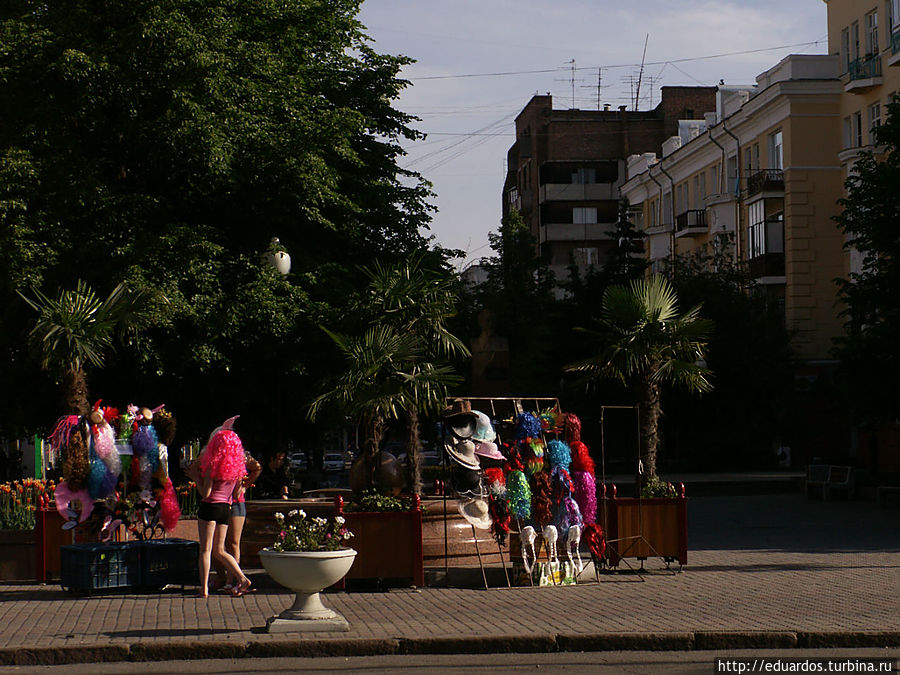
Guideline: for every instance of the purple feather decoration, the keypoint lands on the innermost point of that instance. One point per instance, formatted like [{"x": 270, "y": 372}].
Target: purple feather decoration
[
  {"x": 585, "y": 489},
  {"x": 567, "y": 515}
]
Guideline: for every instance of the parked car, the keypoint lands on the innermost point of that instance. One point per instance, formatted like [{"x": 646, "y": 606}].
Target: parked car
[
  {"x": 298, "y": 461},
  {"x": 333, "y": 461}
]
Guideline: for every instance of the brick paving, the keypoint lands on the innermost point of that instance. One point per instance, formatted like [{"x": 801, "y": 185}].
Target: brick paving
[{"x": 771, "y": 565}]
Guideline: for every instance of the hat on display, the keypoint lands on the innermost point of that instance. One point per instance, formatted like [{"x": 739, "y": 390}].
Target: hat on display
[
  {"x": 463, "y": 453},
  {"x": 459, "y": 418},
  {"x": 467, "y": 482},
  {"x": 476, "y": 511},
  {"x": 489, "y": 450},
  {"x": 484, "y": 430},
  {"x": 458, "y": 406}
]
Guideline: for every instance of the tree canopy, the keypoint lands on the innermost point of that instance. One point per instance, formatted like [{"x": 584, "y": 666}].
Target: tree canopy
[
  {"x": 166, "y": 143},
  {"x": 869, "y": 352}
]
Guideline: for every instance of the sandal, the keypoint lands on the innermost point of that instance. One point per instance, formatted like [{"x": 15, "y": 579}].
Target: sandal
[{"x": 242, "y": 589}]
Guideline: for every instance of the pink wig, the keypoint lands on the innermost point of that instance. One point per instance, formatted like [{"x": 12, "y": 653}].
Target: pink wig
[
  {"x": 223, "y": 458},
  {"x": 585, "y": 490},
  {"x": 169, "y": 511}
]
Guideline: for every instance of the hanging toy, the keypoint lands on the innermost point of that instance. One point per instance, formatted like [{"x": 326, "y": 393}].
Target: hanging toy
[
  {"x": 528, "y": 537},
  {"x": 573, "y": 543}
]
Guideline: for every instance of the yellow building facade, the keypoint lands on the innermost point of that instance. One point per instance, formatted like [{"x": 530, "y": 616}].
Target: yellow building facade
[{"x": 758, "y": 181}]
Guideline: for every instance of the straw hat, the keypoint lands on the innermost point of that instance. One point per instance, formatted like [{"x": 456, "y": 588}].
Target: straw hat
[
  {"x": 476, "y": 512},
  {"x": 463, "y": 453}
]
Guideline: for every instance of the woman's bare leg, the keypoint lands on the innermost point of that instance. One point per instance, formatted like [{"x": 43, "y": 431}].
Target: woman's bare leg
[
  {"x": 233, "y": 541},
  {"x": 206, "y": 533},
  {"x": 226, "y": 558}
]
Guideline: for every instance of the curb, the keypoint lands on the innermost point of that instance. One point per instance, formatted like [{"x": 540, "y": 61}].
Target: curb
[{"x": 310, "y": 648}]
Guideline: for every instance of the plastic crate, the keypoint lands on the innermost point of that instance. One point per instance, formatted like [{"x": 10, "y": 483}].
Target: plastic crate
[
  {"x": 169, "y": 562},
  {"x": 92, "y": 567}
]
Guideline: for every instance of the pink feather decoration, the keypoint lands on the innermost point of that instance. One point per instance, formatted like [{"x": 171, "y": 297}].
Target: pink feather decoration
[
  {"x": 581, "y": 457},
  {"x": 223, "y": 458},
  {"x": 585, "y": 492},
  {"x": 105, "y": 446}
]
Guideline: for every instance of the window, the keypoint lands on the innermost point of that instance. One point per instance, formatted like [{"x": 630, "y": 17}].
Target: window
[
  {"x": 653, "y": 213},
  {"x": 764, "y": 235},
  {"x": 584, "y": 176},
  {"x": 702, "y": 191},
  {"x": 776, "y": 150},
  {"x": 731, "y": 173},
  {"x": 665, "y": 215},
  {"x": 585, "y": 257},
  {"x": 854, "y": 41},
  {"x": 857, "y": 130},
  {"x": 714, "y": 178},
  {"x": 874, "y": 120},
  {"x": 845, "y": 49},
  {"x": 584, "y": 215},
  {"x": 848, "y": 132},
  {"x": 872, "y": 33},
  {"x": 894, "y": 15}
]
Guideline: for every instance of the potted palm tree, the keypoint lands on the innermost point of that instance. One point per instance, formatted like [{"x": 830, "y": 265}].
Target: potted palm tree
[{"x": 645, "y": 343}]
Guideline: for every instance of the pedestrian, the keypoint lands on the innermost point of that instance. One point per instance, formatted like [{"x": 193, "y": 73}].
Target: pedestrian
[
  {"x": 236, "y": 523},
  {"x": 274, "y": 481},
  {"x": 219, "y": 472}
]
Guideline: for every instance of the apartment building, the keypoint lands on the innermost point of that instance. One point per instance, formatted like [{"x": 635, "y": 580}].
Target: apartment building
[
  {"x": 566, "y": 166},
  {"x": 761, "y": 178}
]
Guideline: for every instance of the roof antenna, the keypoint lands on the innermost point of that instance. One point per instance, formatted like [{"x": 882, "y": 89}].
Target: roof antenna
[{"x": 637, "y": 93}]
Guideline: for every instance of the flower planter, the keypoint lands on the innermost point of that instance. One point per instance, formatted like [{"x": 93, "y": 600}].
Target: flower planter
[
  {"x": 389, "y": 544},
  {"x": 307, "y": 573},
  {"x": 17, "y": 555},
  {"x": 643, "y": 528}
]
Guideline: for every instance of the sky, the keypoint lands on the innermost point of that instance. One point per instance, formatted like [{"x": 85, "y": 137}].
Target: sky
[{"x": 479, "y": 62}]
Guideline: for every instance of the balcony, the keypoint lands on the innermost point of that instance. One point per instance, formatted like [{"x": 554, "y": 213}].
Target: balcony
[
  {"x": 766, "y": 180},
  {"x": 864, "y": 73},
  {"x": 691, "y": 223},
  {"x": 894, "y": 58},
  {"x": 577, "y": 192},
  {"x": 576, "y": 232},
  {"x": 767, "y": 265}
]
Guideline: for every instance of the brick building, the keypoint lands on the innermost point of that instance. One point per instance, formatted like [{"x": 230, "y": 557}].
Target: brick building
[{"x": 566, "y": 166}]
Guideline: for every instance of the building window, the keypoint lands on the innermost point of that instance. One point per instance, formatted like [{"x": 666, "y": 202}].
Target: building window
[
  {"x": 894, "y": 6},
  {"x": 874, "y": 120},
  {"x": 714, "y": 178},
  {"x": 731, "y": 173},
  {"x": 872, "y": 33},
  {"x": 584, "y": 215},
  {"x": 854, "y": 41},
  {"x": 776, "y": 150},
  {"x": 665, "y": 216},
  {"x": 848, "y": 132},
  {"x": 857, "y": 130},
  {"x": 584, "y": 176},
  {"x": 764, "y": 235},
  {"x": 585, "y": 257}
]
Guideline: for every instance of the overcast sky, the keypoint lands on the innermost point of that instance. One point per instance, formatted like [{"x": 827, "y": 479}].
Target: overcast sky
[{"x": 478, "y": 62}]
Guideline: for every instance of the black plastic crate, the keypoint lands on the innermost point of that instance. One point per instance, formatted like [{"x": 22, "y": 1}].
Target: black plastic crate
[
  {"x": 92, "y": 567},
  {"x": 169, "y": 562}
]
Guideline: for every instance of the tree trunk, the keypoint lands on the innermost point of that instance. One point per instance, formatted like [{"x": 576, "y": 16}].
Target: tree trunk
[
  {"x": 649, "y": 411},
  {"x": 412, "y": 451},
  {"x": 75, "y": 392},
  {"x": 364, "y": 474}
]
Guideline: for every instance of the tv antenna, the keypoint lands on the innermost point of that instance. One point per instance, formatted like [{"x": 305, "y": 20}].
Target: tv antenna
[
  {"x": 637, "y": 94},
  {"x": 596, "y": 86},
  {"x": 571, "y": 80}
]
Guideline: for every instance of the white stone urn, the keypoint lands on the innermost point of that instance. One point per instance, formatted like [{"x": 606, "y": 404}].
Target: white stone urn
[{"x": 307, "y": 573}]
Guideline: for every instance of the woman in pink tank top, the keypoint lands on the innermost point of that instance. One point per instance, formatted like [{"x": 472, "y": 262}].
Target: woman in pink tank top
[{"x": 219, "y": 479}]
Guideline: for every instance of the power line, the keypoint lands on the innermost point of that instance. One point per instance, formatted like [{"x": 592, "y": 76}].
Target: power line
[{"x": 620, "y": 65}]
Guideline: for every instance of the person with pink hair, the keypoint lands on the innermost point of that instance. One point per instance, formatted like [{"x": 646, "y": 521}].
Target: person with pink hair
[{"x": 219, "y": 474}]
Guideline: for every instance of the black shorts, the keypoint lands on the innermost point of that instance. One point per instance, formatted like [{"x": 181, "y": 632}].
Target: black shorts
[{"x": 218, "y": 512}]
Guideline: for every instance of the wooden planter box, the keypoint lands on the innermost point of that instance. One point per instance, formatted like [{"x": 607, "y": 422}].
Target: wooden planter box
[
  {"x": 17, "y": 555},
  {"x": 389, "y": 544},
  {"x": 33, "y": 555},
  {"x": 643, "y": 528}
]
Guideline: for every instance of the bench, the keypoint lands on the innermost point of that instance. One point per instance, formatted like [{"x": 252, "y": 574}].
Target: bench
[
  {"x": 827, "y": 479},
  {"x": 885, "y": 492}
]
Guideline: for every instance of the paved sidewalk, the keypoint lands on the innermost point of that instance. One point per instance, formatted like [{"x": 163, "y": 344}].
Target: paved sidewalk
[{"x": 764, "y": 571}]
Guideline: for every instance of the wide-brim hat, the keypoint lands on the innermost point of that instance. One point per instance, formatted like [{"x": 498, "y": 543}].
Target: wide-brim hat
[
  {"x": 476, "y": 511},
  {"x": 488, "y": 449},
  {"x": 462, "y": 451},
  {"x": 467, "y": 483},
  {"x": 461, "y": 426},
  {"x": 484, "y": 430}
]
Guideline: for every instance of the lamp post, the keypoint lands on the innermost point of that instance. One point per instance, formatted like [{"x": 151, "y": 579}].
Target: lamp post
[{"x": 278, "y": 258}]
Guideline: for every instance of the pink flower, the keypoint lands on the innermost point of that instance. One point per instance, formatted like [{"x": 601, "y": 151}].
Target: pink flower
[{"x": 282, "y": 534}]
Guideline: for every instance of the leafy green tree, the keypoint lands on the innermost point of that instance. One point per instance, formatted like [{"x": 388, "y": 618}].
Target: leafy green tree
[
  {"x": 869, "y": 351},
  {"x": 166, "y": 143},
  {"x": 646, "y": 343},
  {"x": 77, "y": 329},
  {"x": 625, "y": 260},
  {"x": 418, "y": 302}
]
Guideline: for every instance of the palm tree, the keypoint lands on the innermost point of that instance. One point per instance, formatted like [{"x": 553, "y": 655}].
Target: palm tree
[
  {"x": 646, "y": 344},
  {"x": 77, "y": 329},
  {"x": 387, "y": 374},
  {"x": 417, "y": 302}
]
